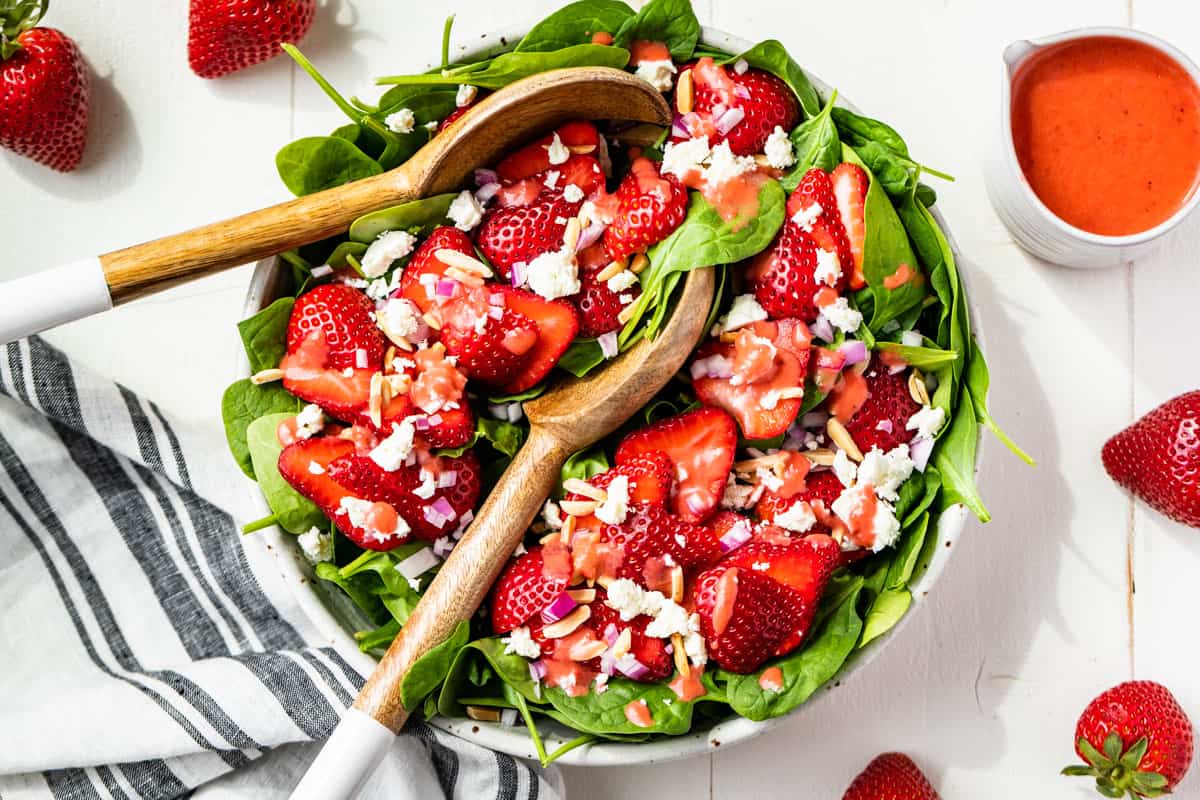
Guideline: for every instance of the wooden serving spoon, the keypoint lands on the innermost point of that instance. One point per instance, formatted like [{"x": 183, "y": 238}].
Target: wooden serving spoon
[
  {"x": 500, "y": 122},
  {"x": 574, "y": 414}
]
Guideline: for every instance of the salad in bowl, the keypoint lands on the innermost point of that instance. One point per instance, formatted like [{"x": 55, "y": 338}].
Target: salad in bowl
[{"x": 748, "y": 534}]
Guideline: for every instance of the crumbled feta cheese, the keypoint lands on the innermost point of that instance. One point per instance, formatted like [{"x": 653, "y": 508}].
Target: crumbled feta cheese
[
  {"x": 572, "y": 193},
  {"x": 736, "y": 495},
  {"x": 551, "y": 179},
  {"x": 911, "y": 338},
  {"x": 465, "y": 211},
  {"x": 615, "y": 507},
  {"x": 386, "y": 249},
  {"x": 885, "y": 528},
  {"x": 671, "y": 618},
  {"x": 768, "y": 478},
  {"x": 886, "y": 471},
  {"x": 657, "y": 73},
  {"x": 622, "y": 281},
  {"x": 799, "y": 518},
  {"x": 557, "y": 152},
  {"x": 630, "y": 600},
  {"x": 552, "y": 515},
  {"x": 356, "y": 510},
  {"x": 778, "y": 149},
  {"x": 828, "y": 269},
  {"x": 378, "y": 289},
  {"x": 402, "y": 121},
  {"x": 808, "y": 216},
  {"x": 392, "y": 452},
  {"x": 465, "y": 95},
  {"x": 744, "y": 311},
  {"x": 554, "y": 274},
  {"x": 926, "y": 422},
  {"x": 427, "y": 486},
  {"x": 842, "y": 316},
  {"x": 519, "y": 550},
  {"x": 519, "y": 642},
  {"x": 309, "y": 421},
  {"x": 844, "y": 468},
  {"x": 315, "y": 468},
  {"x": 693, "y": 642},
  {"x": 316, "y": 545},
  {"x": 399, "y": 318},
  {"x": 724, "y": 166},
  {"x": 510, "y": 412},
  {"x": 681, "y": 158},
  {"x": 741, "y": 66}
]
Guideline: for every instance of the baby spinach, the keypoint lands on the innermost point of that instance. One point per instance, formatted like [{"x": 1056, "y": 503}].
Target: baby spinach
[
  {"x": 772, "y": 57},
  {"x": 361, "y": 594},
  {"x": 464, "y": 670},
  {"x": 977, "y": 381},
  {"x": 583, "y": 356},
  {"x": 604, "y": 714},
  {"x": 815, "y": 143},
  {"x": 294, "y": 512},
  {"x": 926, "y": 358},
  {"x": 506, "y": 68},
  {"x": 583, "y": 465},
  {"x": 264, "y": 335},
  {"x": 954, "y": 458},
  {"x": 503, "y": 436},
  {"x": 344, "y": 252},
  {"x": 574, "y": 24},
  {"x": 887, "y": 609},
  {"x": 884, "y": 151},
  {"x": 242, "y": 403},
  {"x": 315, "y": 163},
  {"x": 520, "y": 397},
  {"x": 415, "y": 216},
  {"x": 672, "y": 22},
  {"x": 428, "y": 672}
]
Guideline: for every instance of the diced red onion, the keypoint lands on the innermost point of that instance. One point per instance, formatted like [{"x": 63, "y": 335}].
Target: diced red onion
[
  {"x": 677, "y": 128},
  {"x": 421, "y": 423},
  {"x": 590, "y": 235},
  {"x": 608, "y": 664},
  {"x": 815, "y": 420},
  {"x": 496, "y": 299},
  {"x": 717, "y": 110},
  {"x": 611, "y": 634},
  {"x": 885, "y": 425},
  {"x": 608, "y": 344},
  {"x": 447, "y": 479},
  {"x": 445, "y": 288},
  {"x": 919, "y": 452},
  {"x": 496, "y": 312},
  {"x": 443, "y": 507},
  {"x": 741, "y": 92},
  {"x": 729, "y": 120},
  {"x": 519, "y": 271},
  {"x": 485, "y": 176},
  {"x": 418, "y": 563},
  {"x": 912, "y": 339},
  {"x": 630, "y": 667},
  {"x": 435, "y": 420},
  {"x": 822, "y": 329},
  {"x": 433, "y": 517},
  {"x": 854, "y": 351},
  {"x": 443, "y": 546},
  {"x": 690, "y": 121},
  {"x": 558, "y": 608},
  {"x": 715, "y": 366},
  {"x": 322, "y": 271},
  {"x": 537, "y": 670},
  {"x": 486, "y": 192},
  {"x": 735, "y": 537}
]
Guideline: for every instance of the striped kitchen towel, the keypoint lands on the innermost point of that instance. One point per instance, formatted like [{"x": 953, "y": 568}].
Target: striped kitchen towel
[{"x": 146, "y": 648}]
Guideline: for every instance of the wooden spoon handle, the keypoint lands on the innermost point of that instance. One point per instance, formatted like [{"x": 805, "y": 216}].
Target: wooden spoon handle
[
  {"x": 151, "y": 266},
  {"x": 469, "y": 571}
]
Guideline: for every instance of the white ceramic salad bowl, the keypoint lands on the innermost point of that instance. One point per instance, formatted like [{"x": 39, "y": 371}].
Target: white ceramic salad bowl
[{"x": 336, "y": 617}]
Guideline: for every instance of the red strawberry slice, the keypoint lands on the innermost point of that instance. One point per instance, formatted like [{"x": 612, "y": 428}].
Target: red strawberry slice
[
  {"x": 584, "y": 172},
  {"x": 343, "y": 315},
  {"x": 651, "y": 477},
  {"x": 518, "y": 234},
  {"x": 828, "y": 231},
  {"x": 765, "y": 358},
  {"x": 650, "y": 651},
  {"x": 650, "y": 206},
  {"x": 447, "y": 427},
  {"x": 850, "y": 184},
  {"x": 648, "y": 533},
  {"x": 490, "y": 338},
  {"x": 294, "y": 465},
  {"x": 784, "y": 275},
  {"x": 819, "y": 488},
  {"x": 745, "y": 616},
  {"x": 458, "y": 112},
  {"x": 599, "y": 306},
  {"x": 557, "y": 325},
  {"x": 764, "y": 101},
  {"x": 701, "y": 444},
  {"x": 880, "y": 420},
  {"x": 418, "y": 282},
  {"x": 1158, "y": 458},
  {"x": 342, "y": 393},
  {"x": 534, "y": 157},
  {"x": 524, "y": 588}
]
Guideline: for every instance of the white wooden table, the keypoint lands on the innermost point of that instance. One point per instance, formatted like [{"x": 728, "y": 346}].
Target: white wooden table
[{"x": 1036, "y": 613}]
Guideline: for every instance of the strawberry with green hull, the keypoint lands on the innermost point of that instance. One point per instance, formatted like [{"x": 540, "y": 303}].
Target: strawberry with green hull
[
  {"x": 891, "y": 776},
  {"x": 225, "y": 36}
]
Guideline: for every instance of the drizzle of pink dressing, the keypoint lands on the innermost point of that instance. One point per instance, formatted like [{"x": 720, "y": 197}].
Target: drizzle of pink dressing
[
  {"x": 638, "y": 713},
  {"x": 688, "y": 688},
  {"x": 438, "y": 381},
  {"x": 771, "y": 679},
  {"x": 647, "y": 50}
]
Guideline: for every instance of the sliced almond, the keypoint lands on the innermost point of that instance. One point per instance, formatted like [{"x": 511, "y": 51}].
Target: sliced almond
[
  {"x": 639, "y": 263},
  {"x": 571, "y": 234},
  {"x": 567, "y": 531},
  {"x": 432, "y": 321},
  {"x": 389, "y": 356},
  {"x": 483, "y": 713},
  {"x": 586, "y": 651},
  {"x": 398, "y": 384},
  {"x": 603, "y": 581},
  {"x": 582, "y": 149},
  {"x": 677, "y": 584},
  {"x": 568, "y": 624},
  {"x": 917, "y": 388},
  {"x": 750, "y": 465},
  {"x": 762, "y": 161},
  {"x": 465, "y": 277},
  {"x": 385, "y": 393},
  {"x": 549, "y": 537},
  {"x": 622, "y": 644},
  {"x": 582, "y": 596},
  {"x": 626, "y": 313},
  {"x": 728, "y": 337},
  {"x": 685, "y": 93},
  {"x": 791, "y": 393},
  {"x": 842, "y": 438},
  {"x": 266, "y": 376},
  {"x": 453, "y": 258},
  {"x": 821, "y": 456},
  {"x": 680, "y": 655},
  {"x": 578, "y": 486},
  {"x": 375, "y": 403},
  {"x": 612, "y": 270},
  {"x": 578, "y": 508}
]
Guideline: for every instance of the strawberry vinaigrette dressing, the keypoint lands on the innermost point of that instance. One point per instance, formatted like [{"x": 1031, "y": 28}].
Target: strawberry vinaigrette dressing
[{"x": 1107, "y": 131}]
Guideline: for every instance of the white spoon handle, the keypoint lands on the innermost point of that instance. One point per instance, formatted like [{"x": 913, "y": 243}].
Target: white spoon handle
[
  {"x": 348, "y": 758},
  {"x": 44, "y": 299}
]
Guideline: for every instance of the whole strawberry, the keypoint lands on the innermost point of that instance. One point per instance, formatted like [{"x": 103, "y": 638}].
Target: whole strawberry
[
  {"x": 1135, "y": 739},
  {"x": 227, "y": 35},
  {"x": 891, "y": 776},
  {"x": 44, "y": 89},
  {"x": 1158, "y": 458}
]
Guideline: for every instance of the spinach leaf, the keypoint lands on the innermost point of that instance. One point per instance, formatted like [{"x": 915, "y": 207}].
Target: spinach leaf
[
  {"x": 954, "y": 458},
  {"x": 977, "y": 381},
  {"x": 520, "y": 397},
  {"x": 416, "y": 216},
  {"x": 815, "y": 143},
  {"x": 806, "y": 669},
  {"x": 242, "y": 403},
  {"x": 858, "y": 129},
  {"x": 584, "y": 465},
  {"x": 904, "y": 562},
  {"x": 574, "y": 24},
  {"x": 889, "y": 607},
  {"x": 926, "y": 358},
  {"x": 917, "y": 494},
  {"x": 294, "y": 512},
  {"x": 465, "y": 671},
  {"x": 672, "y": 22},
  {"x": 264, "y": 335},
  {"x": 322, "y": 162},
  {"x": 344, "y": 252},
  {"x": 773, "y": 57},
  {"x": 883, "y": 151},
  {"x": 583, "y": 356},
  {"x": 504, "y": 437},
  {"x": 362, "y": 596},
  {"x": 377, "y": 640},
  {"x": 502, "y": 70},
  {"x": 605, "y": 713},
  {"x": 428, "y": 672}
]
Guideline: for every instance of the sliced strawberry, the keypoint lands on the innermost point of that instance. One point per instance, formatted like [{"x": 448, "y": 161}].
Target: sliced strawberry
[
  {"x": 341, "y": 392},
  {"x": 745, "y": 616},
  {"x": 650, "y": 652},
  {"x": 520, "y": 233},
  {"x": 535, "y": 156},
  {"x": 803, "y": 564},
  {"x": 583, "y": 172},
  {"x": 784, "y": 275},
  {"x": 418, "y": 283},
  {"x": 599, "y": 306},
  {"x": 765, "y": 359},
  {"x": 523, "y": 589},
  {"x": 701, "y": 444},
  {"x": 490, "y": 338},
  {"x": 557, "y": 326},
  {"x": 880, "y": 421},
  {"x": 764, "y": 100},
  {"x": 294, "y": 465},
  {"x": 650, "y": 206},
  {"x": 850, "y": 184},
  {"x": 820, "y": 490},
  {"x": 649, "y": 532},
  {"x": 343, "y": 315},
  {"x": 446, "y": 427},
  {"x": 828, "y": 230},
  {"x": 651, "y": 477}
]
